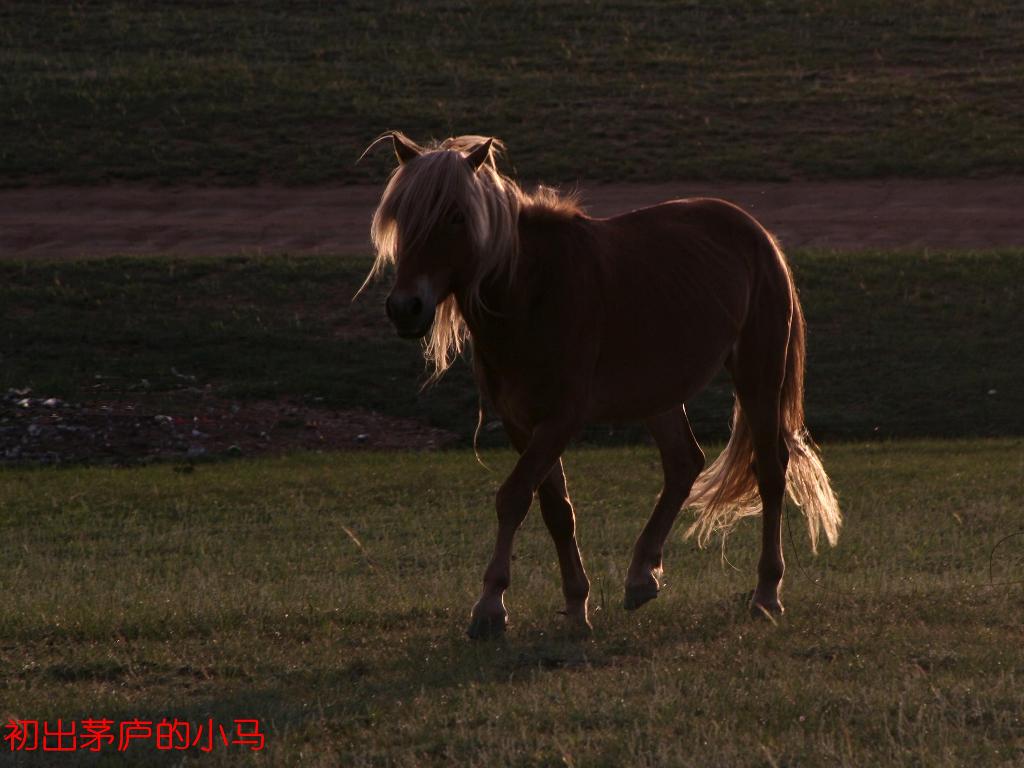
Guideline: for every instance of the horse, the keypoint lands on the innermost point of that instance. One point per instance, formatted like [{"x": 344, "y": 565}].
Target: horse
[{"x": 573, "y": 319}]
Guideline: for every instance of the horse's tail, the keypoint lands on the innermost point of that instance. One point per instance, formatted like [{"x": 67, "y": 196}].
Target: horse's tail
[
  {"x": 726, "y": 491},
  {"x": 806, "y": 481}
]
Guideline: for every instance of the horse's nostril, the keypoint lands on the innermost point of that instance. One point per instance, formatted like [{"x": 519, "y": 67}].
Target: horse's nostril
[{"x": 415, "y": 306}]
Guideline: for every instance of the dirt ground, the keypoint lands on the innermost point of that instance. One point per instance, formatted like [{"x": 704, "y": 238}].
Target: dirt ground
[
  {"x": 129, "y": 428},
  {"x": 125, "y": 428},
  {"x": 68, "y": 222}
]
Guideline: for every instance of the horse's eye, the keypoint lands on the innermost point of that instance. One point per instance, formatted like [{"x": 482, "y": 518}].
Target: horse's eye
[{"x": 457, "y": 219}]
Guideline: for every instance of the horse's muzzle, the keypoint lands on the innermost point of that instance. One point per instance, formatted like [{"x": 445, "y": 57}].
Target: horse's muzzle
[{"x": 412, "y": 320}]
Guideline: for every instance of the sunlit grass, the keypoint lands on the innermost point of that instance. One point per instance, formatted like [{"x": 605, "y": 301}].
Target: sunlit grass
[{"x": 238, "y": 590}]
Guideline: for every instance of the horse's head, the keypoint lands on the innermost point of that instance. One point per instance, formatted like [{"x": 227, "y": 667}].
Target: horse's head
[
  {"x": 429, "y": 224},
  {"x": 448, "y": 223}
]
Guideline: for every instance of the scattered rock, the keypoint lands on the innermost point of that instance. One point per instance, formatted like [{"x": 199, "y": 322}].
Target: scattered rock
[{"x": 188, "y": 424}]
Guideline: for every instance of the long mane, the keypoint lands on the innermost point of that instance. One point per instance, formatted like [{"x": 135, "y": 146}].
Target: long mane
[{"x": 420, "y": 193}]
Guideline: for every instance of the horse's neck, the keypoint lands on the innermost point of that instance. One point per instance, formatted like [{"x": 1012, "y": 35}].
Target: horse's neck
[
  {"x": 496, "y": 308},
  {"x": 493, "y": 321},
  {"x": 547, "y": 252}
]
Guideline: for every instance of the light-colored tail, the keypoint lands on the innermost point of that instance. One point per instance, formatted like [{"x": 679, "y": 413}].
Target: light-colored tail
[{"x": 726, "y": 491}]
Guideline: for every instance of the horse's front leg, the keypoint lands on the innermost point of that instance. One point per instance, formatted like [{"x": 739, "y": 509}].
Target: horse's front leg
[
  {"x": 513, "y": 501},
  {"x": 560, "y": 518}
]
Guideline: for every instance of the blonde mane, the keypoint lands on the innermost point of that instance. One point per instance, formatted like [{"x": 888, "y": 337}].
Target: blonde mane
[{"x": 419, "y": 193}]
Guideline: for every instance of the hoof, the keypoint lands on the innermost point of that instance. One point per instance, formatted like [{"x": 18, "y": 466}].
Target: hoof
[
  {"x": 577, "y": 626},
  {"x": 639, "y": 594},
  {"x": 486, "y": 627},
  {"x": 765, "y": 608}
]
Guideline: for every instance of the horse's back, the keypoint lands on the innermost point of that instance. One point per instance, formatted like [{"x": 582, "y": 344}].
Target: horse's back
[{"x": 688, "y": 227}]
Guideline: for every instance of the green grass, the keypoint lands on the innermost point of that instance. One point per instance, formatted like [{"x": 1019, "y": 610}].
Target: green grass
[
  {"x": 237, "y": 591},
  {"x": 900, "y": 344},
  {"x": 241, "y": 92}
]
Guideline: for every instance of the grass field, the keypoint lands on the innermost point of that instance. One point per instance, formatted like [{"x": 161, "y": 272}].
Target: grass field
[
  {"x": 242, "y": 92},
  {"x": 237, "y": 590},
  {"x": 327, "y": 594},
  {"x": 900, "y": 344}
]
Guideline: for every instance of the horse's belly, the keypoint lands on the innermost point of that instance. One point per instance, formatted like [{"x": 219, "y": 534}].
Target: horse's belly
[{"x": 649, "y": 374}]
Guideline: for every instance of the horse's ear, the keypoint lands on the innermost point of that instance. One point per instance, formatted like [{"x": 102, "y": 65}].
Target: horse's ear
[
  {"x": 479, "y": 154},
  {"x": 405, "y": 149}
]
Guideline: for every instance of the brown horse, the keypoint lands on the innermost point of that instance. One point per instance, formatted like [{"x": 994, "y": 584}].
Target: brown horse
[{"x": 576, "y": 319}]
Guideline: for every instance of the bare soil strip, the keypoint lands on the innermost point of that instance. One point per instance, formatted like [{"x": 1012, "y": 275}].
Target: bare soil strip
[{"x": 76, "y": 222}]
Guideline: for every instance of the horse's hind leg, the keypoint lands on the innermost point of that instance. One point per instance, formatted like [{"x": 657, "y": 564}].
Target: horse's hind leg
[
  {"x": 682, "y": 460},
  {"x": 759, "y": 368}
]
